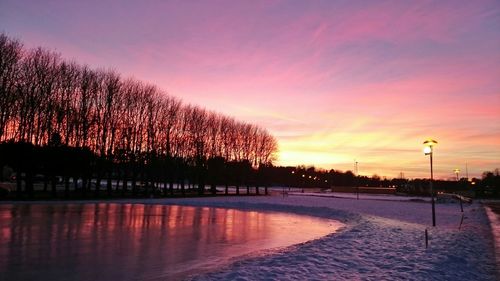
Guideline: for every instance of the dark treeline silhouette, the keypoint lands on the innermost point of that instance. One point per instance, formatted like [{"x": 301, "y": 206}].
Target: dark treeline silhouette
[
  {"x": 92, "y": 129},
  {"x": 310, "y": 177},
  {"x": 489, "y": 185}
]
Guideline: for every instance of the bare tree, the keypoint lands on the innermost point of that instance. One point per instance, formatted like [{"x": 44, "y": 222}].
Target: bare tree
[
  {"x": 10, "y": 57},
  {"x": 123, "y": 129}
]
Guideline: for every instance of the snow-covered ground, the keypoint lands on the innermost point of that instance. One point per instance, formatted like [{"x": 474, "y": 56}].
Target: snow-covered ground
[
  {"x": 494, "y": 217},
  {"x": 382, "y": 240}
]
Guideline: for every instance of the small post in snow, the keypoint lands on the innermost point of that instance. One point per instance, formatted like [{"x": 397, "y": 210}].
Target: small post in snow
[
  {"x": 461, "y": 221},
  {"x": 461, "y": 207}
]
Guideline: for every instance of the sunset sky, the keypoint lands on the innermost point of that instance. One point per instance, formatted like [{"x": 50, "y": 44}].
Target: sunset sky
[{"x": 334, "y": 81}]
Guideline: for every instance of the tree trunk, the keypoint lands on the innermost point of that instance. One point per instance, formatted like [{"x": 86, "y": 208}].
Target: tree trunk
[
  {"x": 109, "y": 184},
  {"x": 84, "y": 186},
  {"x": 213, "y": 189},
  {"x": 134, "y": 182},
  {"x": 54, "y": 186},
  {"x": 98, "y": 184},
  {"x": 19, "y": 184},
  {"x": 183, "y": 189},
  {"x": 66, "y": 186},
  {"x": 117, "y": 184},
  {"x": 75, "y": 183},
  {"x": 124, "y": 185},
  {"x": 45, "y": 182},
  {"x": 29, "y": 184},
  {"x": 201, "y": 188},
  {"x": 165, "y": 184}
]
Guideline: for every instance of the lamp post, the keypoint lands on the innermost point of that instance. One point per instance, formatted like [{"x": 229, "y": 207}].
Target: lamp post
[
  {"x": 456, "y": 171},
  {"x": 303, "y": 181},
  {"x": 428, "y": 151},
  {"x": 356, "y": 178}
]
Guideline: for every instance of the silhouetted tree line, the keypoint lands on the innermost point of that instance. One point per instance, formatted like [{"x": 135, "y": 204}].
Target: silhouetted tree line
[
  {"x": 489, "y": 185},
  {"x": 310, "y": 177},
  {"x": 101, "y": 132}
]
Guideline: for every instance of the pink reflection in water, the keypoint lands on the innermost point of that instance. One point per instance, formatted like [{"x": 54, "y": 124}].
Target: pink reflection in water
[{"x": 128, "y": 241}]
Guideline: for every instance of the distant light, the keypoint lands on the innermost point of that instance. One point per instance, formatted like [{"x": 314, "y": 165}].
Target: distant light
[
  {"x": 293, "y": 172},
  {"x": 473, "y": 183},
  {"x": 303, "y": 176},
  {"x": 310, "y": 177},
  {"x": 326, "y": 181}
]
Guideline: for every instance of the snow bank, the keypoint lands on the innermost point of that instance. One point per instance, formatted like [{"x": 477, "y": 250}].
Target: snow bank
[
  {"x": 495, "y": 227},
  {"x": 383, "y": 240}
]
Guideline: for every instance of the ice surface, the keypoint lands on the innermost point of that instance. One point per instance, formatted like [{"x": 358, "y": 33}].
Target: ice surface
[{"x": 104, "y": 241}]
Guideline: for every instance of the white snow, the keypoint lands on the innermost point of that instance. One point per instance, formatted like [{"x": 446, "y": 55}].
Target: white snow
[
  {"x": 382, "y": 240},
  {"x": 495, "y": 227}
]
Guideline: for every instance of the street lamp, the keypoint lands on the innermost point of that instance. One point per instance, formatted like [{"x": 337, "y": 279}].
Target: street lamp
[
  {"x": 456, "y": 171},
  {"x": 428, "y": 151},
  {"x": 356, "y": 178}
]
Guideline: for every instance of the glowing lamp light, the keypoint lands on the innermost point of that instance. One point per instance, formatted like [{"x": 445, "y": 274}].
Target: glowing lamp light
[
  {"x": 427, "y": 150},
  {"x": 429, "y": 143},
  {"x": 456, "y": 171}
]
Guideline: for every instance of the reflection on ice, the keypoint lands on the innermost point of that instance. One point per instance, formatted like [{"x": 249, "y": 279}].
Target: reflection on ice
[{"x": 128, "y": 241}]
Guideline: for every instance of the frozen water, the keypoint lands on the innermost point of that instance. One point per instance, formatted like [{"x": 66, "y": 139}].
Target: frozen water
[{"x": 137, "y": 242}]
